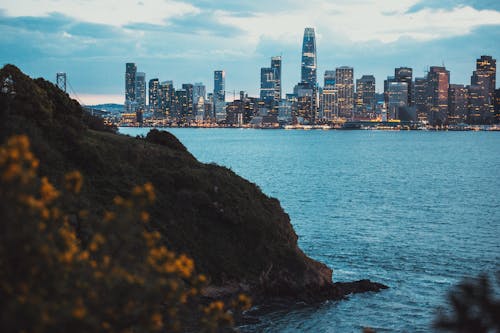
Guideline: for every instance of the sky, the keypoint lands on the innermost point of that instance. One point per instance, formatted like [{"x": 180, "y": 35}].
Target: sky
[{"x": 185, "y": 41}]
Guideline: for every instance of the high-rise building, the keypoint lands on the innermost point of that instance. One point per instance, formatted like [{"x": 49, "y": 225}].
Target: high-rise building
[
  {"x": 219, "y": 94},
  {"x": 167, "y": 96},
  {"x": 438, "y": 81},
  {"x": 365, "y": 95},
  {"x": 154, "y": 95},
  {"x": 497, "y": 106},
  {"x": 485, "y": 78},
  {"x": 329, "y": 103},
  {"x": 405, "y": 74},
  {"x": 420, "y": 98},
  {"x": 344, "y": 84},
  {"x": 268, "y": 85},
  {"x": 140, "y": 90},
  {"x": 189, "y": 111},
  {"x": 309, "y": 62},
  {"x": 130, "y": 71},
  {"x": 305, "y": 112},
  {"x": 329, "y": 80},
  {"x": 457, "y": 103},
  {"x": 398, "y": 99},
  {"x": 199, "y": 90},
  {"x": 276, "y": 65}
]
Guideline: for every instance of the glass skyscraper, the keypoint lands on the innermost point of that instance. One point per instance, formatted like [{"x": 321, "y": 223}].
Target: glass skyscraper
[
  {"x": 219, "y": 93},
  {"x": 309, "y": 62},
  {"x": 130, "y": 71},
  {"x": 276, "y": 65}
]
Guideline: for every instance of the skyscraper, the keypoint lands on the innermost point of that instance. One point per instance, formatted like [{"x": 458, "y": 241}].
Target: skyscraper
[
  {"x": 189, "y": 111},
  {"x": 329, "y": 80},
  {"x": 398, "y": 98},
  {"x": 199, "y": 90},
  {"x": 365, "y": 95},
  {"x": 405, "y": 74},
  {"x": 420, "y": 98},
  {"x": 154, "y": 95},
  {"x": 219, "y": 94},
  {"x": 344, "y": 84},
  {"x": 276, "y": 65},
  {"x": 485, "y": 78},
  {"x": 140, "y": 90},
  {"x": 167, "y": 96},
  {"x": 309, "y": 65},
  {"x": 438, "y": 81},
  {"x": 457, "y": 103},
  {"x": 268, "y": 85},
  {"x": 130, "y": 71}
]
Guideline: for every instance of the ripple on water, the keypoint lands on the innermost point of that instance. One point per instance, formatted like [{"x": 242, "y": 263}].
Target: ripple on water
[{"x": 417, "y": 211}]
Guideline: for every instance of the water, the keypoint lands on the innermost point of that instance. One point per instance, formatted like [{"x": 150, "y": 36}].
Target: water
[{"x": 417, "y": 211}]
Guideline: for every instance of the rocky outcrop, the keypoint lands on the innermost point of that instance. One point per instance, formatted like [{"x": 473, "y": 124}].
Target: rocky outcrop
[{"x": 236, "y": 234}]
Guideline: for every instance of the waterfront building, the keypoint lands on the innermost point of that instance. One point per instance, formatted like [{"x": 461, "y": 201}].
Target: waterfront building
[
  {"x": 329, "y": 103},
  {"x": 309, "y": 61},
  {"x": 420, "y": 98},
  {"x": 497, "y": 106},
  {"x": 344, "y": 84},
  {"x": 276, "y": 65},
  {"x": 457, "y": 103},
  {"x": 140, "y": 90},
  {"x": 180, "y": 105},
  {"x": 484, "y": 77},
  {"x": 329, "y": 80},
  {"x": 167, "y": 96},
  {"x": 189, "y": 111},
  {"x": 365, "y": 96},
  {"x": 397, "y": 93},
  {"x": 475, "y": 104},
  {"x": 154, "y": 96},
  {"x": 219, "y": 95},
  {"x": 268, "y": 85},
  {"x": 130, "y": 71},
  {"x": 305, "y": 113},
  {"x": 438, "y": 81},
  {"x": 199, "y": 91},
  {"x": 405, "y": 74}
]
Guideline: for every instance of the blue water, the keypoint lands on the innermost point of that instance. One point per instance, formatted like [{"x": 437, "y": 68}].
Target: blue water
[{"x": 417, "y": 211}]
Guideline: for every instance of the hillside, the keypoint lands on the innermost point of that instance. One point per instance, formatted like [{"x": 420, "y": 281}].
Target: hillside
[{"x": 237, "y": 235}]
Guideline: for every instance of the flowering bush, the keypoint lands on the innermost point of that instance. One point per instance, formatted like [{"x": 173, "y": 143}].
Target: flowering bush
[{"x": 119, "y": 277}]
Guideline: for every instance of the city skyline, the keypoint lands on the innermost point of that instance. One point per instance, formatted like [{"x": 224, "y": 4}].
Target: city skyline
[{"x": 199, "y": 37}]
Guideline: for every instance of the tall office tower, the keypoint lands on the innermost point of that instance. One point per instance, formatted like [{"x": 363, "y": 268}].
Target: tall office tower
[
  {"x": 309, "y": 62},
  {"x": 438, "y": 81},
  {"x": 497, "y": 106},
  {"x": 219, "y": 94},
  {"x": 344, "y": 84},
  {"x": 329, "y": 103},
  {"x": 386, "y": 88},
  {"x": 329, "y": 80},
  {"x": 140, "y": 90},
  {"x": 199, "y": 90},
  {"x": 305, "y": 113},
  {"x": 268, "y": 85},
  {"x": 457, "y": 103},
  {"x": 167, "y": 96},
  {"x": 189, "y": 114},
  {"x": 154, "y": 95},
  {"x": 420, "y": 98},
  {"x": 398, "y": 98},
  {"x": 276, "y": 65},
  {"x": 365, "y": 95},
  {"x": 485, "y": 78},
  {"x": 405, "y": 74},
  {"x": 130, "y": 71}
]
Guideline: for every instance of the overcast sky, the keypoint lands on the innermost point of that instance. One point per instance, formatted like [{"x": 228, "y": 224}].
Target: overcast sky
[{"x": 185, "y": 41}]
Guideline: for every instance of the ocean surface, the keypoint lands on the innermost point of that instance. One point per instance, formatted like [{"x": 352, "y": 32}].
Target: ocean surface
[{"x": 415, "y": 210}]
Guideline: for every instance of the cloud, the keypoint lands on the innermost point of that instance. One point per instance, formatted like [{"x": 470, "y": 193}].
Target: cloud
[{"x": 115, "y": 13}]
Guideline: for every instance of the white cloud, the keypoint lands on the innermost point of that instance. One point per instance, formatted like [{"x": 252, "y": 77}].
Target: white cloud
[
  {"x": 116, "y": 13},
  {"x": 361, "y": 21}
]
